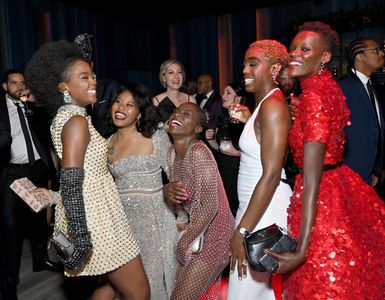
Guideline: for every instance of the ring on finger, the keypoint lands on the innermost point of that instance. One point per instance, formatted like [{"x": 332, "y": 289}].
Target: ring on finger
[{"x": 244, "y": 262}]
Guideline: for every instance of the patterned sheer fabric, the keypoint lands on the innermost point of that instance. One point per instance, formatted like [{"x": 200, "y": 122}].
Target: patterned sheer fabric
[
  {"x": 345, "y": 258},
  {"x": 112, "y": 240},
  {"x": 139, "y": 182},
  {"x": 209, "y": 214}
]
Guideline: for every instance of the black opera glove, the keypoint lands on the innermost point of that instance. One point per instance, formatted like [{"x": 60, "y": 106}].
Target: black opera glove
[{"x": 71, "y": 187}]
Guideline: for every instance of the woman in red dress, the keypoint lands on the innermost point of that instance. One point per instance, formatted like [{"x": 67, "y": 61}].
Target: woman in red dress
[{"x": 338, "y": 218}]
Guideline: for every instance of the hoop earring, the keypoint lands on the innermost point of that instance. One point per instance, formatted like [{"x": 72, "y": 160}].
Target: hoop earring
[
  {"x": 66, "y": 97},
  {"x": 321, "y": 69}
]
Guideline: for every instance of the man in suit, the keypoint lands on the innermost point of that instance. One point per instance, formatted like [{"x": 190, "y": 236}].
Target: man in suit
[
  {"x": 23, "y": 154},
  {"x": 364, "y": 148},
  {"x": 209, "y": 100}
]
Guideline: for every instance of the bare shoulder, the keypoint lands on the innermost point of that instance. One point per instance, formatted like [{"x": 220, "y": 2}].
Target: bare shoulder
[
  {"x": 76, "y": 127},
  {"x": 158, "y": 98}
]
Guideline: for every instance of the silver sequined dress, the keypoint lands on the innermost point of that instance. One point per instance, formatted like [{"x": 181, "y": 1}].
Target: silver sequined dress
[
  {"x": 113, "y": 243},
  {"x": 139, "y": 181}
]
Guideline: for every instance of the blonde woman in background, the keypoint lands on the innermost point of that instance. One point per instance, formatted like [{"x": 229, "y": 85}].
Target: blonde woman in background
[{"x": 172, "y": 76}]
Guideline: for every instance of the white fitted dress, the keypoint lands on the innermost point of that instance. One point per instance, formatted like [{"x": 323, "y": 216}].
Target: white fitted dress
[{"x": 256, "y": 285}]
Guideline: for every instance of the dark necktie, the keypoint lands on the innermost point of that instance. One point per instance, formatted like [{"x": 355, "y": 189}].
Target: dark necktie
[
  {"x": 27, "y": 137},
  {"x": 379, "y": 141},
  {"x": 372, "y": 98}
]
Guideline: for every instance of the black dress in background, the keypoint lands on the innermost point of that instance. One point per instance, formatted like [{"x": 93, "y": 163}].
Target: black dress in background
[{"x": 229, "y": 165}]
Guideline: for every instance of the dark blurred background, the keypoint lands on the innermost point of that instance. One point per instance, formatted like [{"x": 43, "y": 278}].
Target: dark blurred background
[{"x": 131, "y": 43}]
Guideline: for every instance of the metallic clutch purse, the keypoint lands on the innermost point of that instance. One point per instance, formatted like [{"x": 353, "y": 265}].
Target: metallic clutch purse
[
  {"x": 197, "y": 245},
  {"x": 63, "y": 246}
]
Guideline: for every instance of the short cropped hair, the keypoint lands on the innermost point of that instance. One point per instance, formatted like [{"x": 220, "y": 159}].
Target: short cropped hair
[
  {"x": 328, "y": 34},
  {"x": 274, "y": 51},
  {"x": 10, "y": 72}
]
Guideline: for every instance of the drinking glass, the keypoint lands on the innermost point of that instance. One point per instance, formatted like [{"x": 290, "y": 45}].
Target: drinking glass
[
  {"x": 24, "y": 96},
  {"x": 234, "y": 112}
]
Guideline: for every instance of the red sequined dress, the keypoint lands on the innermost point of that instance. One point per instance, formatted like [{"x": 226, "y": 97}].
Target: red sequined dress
[{"x": 346, "y": 256}]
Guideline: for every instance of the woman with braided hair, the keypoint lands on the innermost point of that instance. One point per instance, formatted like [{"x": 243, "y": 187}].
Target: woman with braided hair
[{"x": 90, "y": 212}]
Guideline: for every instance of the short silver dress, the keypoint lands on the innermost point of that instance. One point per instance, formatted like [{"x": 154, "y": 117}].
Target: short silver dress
[{"x": 139, "y": 182}]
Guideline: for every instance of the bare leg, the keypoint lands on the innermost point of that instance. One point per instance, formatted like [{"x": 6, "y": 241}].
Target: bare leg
[
  {"x": 192, "y": 280},
  {"x": 131, "y": 280},
  {"x": 104, "y": 292}
]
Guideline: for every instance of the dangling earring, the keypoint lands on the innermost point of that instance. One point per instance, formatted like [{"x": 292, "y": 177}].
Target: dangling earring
[
  {"x": 274, "y": 76},
  {"x": 321, "y": 68},
  {"x": 274, "y": 73},
  {"x": 66, "y": 97}
]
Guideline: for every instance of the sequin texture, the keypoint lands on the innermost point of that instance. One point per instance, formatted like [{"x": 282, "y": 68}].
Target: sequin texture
[
  {"x": 345, "y": 259},
  {"x": 139, "y": 182}
]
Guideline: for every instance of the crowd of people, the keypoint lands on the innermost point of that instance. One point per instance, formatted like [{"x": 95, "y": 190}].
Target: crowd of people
[{"x": 157, "y": 193}]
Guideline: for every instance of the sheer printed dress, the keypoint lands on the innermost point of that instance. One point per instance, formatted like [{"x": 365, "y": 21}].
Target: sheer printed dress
[
  {"x": 112, "y": 240},
  {"x": 139, "y": 182},
  {"x": 210, "y": 216},
  {"x": 345, "y": 259}
]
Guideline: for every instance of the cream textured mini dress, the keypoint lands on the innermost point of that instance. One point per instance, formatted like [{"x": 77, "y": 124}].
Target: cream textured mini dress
[{"x": 111, "y": 236}]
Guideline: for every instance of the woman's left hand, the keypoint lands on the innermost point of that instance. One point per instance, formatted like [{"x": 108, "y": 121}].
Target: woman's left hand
[
  {"x": 238, "y": 255},
  {"x": 287, "y": 262},
  {"x": 232, "y": 151}
]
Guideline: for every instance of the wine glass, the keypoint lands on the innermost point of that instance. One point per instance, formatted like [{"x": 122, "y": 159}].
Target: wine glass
[
  {"x": 24, "y": 97},
  {"x": 233, "y": 112}
]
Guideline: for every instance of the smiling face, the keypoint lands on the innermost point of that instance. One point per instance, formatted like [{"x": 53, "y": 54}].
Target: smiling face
[
  {"x": 228, "y": 96},
  {"x": 80, "y": 83},
  {"x": 307, "y": 55},
  {"x": 256, "y": 70},
  {"x": 185, "y": 121},
  {"x": 124, "y": 111},
  {"x": 173, "y": 76}
]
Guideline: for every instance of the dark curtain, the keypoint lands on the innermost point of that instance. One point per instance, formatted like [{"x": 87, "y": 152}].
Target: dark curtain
[{"x": 196, "y": 44}]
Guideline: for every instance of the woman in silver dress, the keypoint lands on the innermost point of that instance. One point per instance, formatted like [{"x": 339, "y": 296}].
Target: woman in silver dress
[{"x": 137, "y": 154}]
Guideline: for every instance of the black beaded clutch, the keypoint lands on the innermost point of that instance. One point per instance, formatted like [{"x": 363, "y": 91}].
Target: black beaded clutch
[{"x": 272, "y": 237}]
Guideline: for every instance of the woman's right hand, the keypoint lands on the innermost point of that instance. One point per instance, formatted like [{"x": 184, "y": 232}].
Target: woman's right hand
[
  {"x": 238, "y": 255},
  {"x": 242, "y": 112}
]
